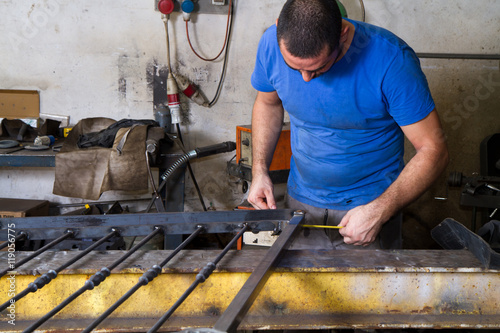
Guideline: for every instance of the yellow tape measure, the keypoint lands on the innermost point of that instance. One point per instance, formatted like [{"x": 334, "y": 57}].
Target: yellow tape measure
[{"x": 322, "y": 226}]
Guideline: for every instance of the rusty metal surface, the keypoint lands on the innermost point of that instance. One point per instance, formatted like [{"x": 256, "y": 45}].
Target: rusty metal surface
[
  {"x": 310, "y": 289},
  {"x": 189, "y": 261}
]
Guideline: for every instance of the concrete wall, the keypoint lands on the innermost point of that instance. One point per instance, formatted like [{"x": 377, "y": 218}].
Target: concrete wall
[{"x": 96, "y": 58}]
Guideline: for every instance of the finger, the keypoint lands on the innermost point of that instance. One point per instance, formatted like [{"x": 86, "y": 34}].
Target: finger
[
  {"x": 260, "y": 204},
  {"x": 270, "y": 202},
  {"x": 345, "y": 220},
  {"x": 348, "y": 240}
]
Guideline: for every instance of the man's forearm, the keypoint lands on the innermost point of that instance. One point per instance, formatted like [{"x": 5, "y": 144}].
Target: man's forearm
[
  {"x": 267, "y": 121},
  {"x": 417, "y": 176}
]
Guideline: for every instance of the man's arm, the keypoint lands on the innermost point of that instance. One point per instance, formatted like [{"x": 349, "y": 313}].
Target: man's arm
[
  {"x": 363, "y": 223},
  {"x": 267, "y": 121}
]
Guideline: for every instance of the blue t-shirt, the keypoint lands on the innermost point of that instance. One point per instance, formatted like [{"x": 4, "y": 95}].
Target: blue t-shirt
[{"x": 347, "y": 146}]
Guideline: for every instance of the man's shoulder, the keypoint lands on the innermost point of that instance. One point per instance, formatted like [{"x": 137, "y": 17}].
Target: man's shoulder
[
  {"x": 269, "y": 35},
  {"x": 377, "y": 35}
]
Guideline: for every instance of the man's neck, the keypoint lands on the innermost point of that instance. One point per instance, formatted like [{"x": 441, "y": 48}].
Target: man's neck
[{"x": 346, "y": 36}]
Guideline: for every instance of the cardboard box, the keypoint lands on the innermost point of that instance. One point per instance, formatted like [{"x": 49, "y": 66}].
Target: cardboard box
[
  {"x": 23, "y": 208},
  {"x": 19, "y": 104}
]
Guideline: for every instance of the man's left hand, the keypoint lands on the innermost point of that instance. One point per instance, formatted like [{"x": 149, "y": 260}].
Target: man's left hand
[{"x": 361, "y": 225}]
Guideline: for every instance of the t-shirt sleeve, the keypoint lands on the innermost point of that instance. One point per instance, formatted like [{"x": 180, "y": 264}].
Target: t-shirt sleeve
[
  {"x": 406, "y": 90},
  {"x": 260, "y": 78}
]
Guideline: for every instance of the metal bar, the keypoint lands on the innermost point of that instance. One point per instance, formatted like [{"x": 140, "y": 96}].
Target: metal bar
[
  {"x": 143, "y": 280},
  {"x": 160, "y": 208},
  {"x": 83, "y": 253},
  {"x": 68, "y": 233},
  {"x": 232, "y": 317},
  {"x": 200, "y": 278},
  {"x": 92, "y": 282},
  {"x": 135, "y": 248},
  {"x": 459, "y": 56},
  {"x": 46, "y": 278},
  {"x": 20, "y": 237},
  {"x": 141, "y": 224}
]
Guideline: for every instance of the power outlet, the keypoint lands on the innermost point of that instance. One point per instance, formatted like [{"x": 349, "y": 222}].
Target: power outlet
[{"x": 201, "y": 6}]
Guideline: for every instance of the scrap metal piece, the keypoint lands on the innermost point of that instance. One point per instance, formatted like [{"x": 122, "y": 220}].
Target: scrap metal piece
[{"x": 453, "y": 235}]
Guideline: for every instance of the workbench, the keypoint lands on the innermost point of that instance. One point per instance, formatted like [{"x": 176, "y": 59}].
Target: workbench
[
  {"x": 173, "y": 193},
  {"x": 27, "y": 158},
  {"x": 249, "y": 289},
  {"x": 308, "y": 290}
]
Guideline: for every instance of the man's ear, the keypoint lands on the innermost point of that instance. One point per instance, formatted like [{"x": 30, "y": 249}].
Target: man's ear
[
  {"x": 276, "y": 22},
  {"x": 344, "y": 33}
]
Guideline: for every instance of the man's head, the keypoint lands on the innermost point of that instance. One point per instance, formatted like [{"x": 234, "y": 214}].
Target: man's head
[{"x": 306, "y": 27}]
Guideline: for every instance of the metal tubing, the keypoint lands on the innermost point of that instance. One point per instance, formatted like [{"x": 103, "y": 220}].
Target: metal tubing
[
  {"x": 242, "y": 302},
  {"x": 200, "y": 278},
  {"x": 177, "y": 164},
  {"x": 69, "y": 233},
  {"x": 99, "y": 277},
  {"x": 143, "y": 280},
  {"x": 459, "y": 56}
]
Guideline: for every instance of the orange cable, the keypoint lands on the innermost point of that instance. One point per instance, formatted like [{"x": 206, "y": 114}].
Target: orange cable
[{"x": 225, "y": 38}]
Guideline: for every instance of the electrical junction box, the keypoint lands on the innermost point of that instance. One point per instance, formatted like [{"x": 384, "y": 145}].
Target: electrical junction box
[{"x": 280, "y": 164}]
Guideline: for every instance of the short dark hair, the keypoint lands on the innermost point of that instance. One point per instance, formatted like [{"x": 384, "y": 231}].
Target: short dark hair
[{"x": 305, "y": 27}]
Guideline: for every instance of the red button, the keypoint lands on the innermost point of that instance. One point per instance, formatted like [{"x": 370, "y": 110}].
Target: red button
[{"x": 166, "y": 6}]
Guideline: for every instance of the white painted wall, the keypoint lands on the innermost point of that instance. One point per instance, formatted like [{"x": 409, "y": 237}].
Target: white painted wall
[{"x": 76, "y": 53}]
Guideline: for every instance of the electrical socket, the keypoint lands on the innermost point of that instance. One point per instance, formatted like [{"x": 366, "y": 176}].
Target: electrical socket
[
  {"x": 201, "y": 6},
  {"x": 63, "y": 119}
]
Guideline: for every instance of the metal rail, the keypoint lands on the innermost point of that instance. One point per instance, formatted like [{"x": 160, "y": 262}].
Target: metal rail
[
  {"x": 46, "y": 278},
  {"x": 468, "y": 56},
  {"x": 232, "y": 317},
  {"x": 67, "y": 234},
  {"x": 200, "y": 278},
  {"x": 143, "y": 280},
  {"x": 94, "y": 281},
  {"x": 141, "y": 224}
]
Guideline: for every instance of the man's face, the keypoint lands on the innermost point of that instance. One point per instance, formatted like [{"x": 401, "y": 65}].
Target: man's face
[{"x": 311, "y": 67}]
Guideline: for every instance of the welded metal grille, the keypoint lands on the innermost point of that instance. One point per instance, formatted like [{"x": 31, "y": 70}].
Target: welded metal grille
[
  {"x": 148, "y": 225},
  {"x": 138, "y": 291}
]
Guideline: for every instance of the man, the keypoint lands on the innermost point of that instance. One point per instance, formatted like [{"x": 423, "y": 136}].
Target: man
[{"x": 352, "y": 91}]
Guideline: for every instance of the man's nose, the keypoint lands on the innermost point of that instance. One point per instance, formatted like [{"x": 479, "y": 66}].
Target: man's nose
[{"x": 307, "y": 76}]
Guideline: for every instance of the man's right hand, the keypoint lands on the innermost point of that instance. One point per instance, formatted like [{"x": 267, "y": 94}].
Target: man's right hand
[{"x": 261, "y": 194}]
